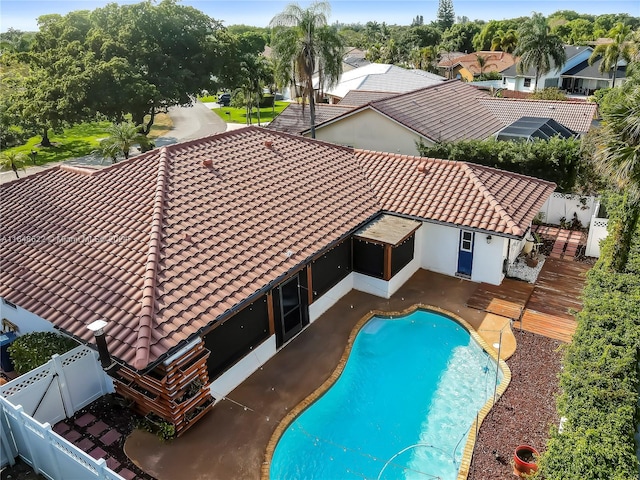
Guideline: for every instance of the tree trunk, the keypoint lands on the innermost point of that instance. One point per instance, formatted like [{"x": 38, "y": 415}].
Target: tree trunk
[
  {"x": 259, "y": 112},
  {"x": 147, "y": 128},
  {"x": 15, "y": 170},
  {"x": 45, "y": 142},
  {"x": 312, "y": 106}
]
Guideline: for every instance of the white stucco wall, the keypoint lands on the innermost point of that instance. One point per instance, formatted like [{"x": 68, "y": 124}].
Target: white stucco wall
[
  {"x": 239, "y": 372},
  {"x": 440, "y": 253},
  {"x": 440, "y": 249},
  {"x": 328, "y": 300},
  {"x": 370, "y": 130},
  {"x": 488, "y": 259},
  {"x": 25, "y": 320}
]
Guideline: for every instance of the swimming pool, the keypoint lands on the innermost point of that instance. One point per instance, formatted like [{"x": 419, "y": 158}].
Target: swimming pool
[{"x": 401, "y": 408}]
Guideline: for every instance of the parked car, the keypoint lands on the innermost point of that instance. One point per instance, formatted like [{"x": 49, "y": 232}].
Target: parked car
[{"x": 224, "y": 99}]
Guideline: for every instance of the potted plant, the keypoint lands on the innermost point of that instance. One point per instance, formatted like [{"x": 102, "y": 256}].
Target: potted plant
[
  {"x": 532, "y": 259},
  {"x": 525, "y": 460}
]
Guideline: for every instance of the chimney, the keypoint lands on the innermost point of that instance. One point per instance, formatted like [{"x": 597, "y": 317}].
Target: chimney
[
  {"x": 98, "y": 333},
  {"x": 207, "y": 163},
  {"x": 268, "y": 143}
]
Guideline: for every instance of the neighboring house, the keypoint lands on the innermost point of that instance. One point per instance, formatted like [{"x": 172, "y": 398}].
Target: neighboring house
[
  {"x": 512, "y": 79},
  {"x": 356, "y": 98},
  {"x": 206, "y": 257},
  {"x": 354, "y": 58},
  {"x": 574, "y": 115},
  {"x": 466, "y": 67},
  {"x": 295, "y": 118},
  {"x": 447, "y": 111},
  {"x": 380, "y": 77},
  {"x": 585, "y": 79}
]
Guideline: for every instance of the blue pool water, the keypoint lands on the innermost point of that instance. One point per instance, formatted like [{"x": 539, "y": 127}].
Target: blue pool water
[{"x": 411, "y": 388}]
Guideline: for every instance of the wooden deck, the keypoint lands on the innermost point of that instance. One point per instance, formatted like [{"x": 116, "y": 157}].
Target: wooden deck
[
  {"x": 507, "y": 299},
  {"x": 546, "y": 308}
]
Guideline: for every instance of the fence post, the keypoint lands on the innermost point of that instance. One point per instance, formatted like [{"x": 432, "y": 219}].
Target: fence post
[
  {"x": 20, "y": 418},
  {"x": 67, "y": 402},
  {"x": 52, "y": 439},
  {"x": 8, "y": 445}
]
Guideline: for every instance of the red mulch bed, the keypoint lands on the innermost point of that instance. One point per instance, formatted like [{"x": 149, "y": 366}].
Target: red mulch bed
[{"x": 525, "y": 412}]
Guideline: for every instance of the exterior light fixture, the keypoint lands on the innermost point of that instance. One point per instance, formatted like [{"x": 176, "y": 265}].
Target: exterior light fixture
[{"x": 489, "y": 238}]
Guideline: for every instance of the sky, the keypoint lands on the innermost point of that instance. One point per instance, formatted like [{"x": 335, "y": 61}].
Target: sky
[{"x": 22, "y": 14}]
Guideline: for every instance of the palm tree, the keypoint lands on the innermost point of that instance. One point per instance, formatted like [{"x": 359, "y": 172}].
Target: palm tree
[
  {"x": 123, "y": 136},
  {"x": 505, "y": 41},
  {"x": 618, "y": 158},
  {"x": 11, "y": 160},
  {"x": 618, "y": 49},
  {"x": 482, "y": 62},
  {"x": 538, "y": 47},
  {"x": 304, "y": 46},
  {"x": 256, "y": 73}
]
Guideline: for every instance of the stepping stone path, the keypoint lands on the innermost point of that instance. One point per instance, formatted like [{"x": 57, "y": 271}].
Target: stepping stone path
[{"x": 96, "y": 438}]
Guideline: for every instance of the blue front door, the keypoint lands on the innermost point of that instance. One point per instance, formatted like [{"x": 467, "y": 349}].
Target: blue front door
[{"x": 465, "y": 253}]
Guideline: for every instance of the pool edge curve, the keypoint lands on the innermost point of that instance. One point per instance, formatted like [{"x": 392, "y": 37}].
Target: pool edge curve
[{"x": 465, "y": 462}]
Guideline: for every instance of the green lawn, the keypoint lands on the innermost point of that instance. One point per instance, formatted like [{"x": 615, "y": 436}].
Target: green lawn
[
  {"x": 239, "y": 115},
  {"x": 75, "y": 141},
  {"x": 79, "y": 140}
]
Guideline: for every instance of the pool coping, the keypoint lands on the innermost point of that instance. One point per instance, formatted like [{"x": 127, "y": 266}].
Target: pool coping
[{"x": 465, "y": 462}]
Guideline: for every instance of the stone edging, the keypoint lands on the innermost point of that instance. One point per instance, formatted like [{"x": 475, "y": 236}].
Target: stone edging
[{"x": 465, "y": 463}]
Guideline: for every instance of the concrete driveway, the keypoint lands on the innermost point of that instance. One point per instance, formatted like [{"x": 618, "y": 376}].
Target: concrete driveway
[{"x": 189, "y": 123}]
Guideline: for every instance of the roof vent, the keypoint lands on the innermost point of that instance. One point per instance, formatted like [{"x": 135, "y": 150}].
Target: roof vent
[
  {"x": 187, "y": 237},
  {"x": 207, "y": 163},
  {"x": 268, "y": 143},
  {"x": 422, "y": 167}
]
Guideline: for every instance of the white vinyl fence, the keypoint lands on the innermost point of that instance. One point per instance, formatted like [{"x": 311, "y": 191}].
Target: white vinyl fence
[
  {"x": 597, "y": 233},
  {"x": 34, "y": 401},
  {"x": 561, "y": 205}
]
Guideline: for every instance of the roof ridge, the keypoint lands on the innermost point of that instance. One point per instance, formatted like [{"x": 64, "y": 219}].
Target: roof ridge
[
  {"x": 493, "y": 201},
  {"x": 147, "y": 312}
]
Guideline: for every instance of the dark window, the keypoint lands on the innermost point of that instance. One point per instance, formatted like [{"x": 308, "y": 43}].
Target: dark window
[
  {"x": 9, "y": 304},
  {"x": 330, "y": 268},
  {"x": 402, "y": 254},
  {"x": 466, "y": 242},
  {"x": 527, "y": 82},
  {"x": 233, "y": 339},
  {"x": 368, "y": 258}
]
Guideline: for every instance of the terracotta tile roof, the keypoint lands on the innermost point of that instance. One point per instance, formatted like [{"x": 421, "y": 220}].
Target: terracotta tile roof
[
  {"x": 355, "y": 98},
  {"x": 576, "y": 116},
  {"x": 166, "y": 243},
  {"x": 495, "y": 62},
  {"x": 456, "y": 193},
  {"x": 448, "y": 111},
  {"x": 183, "y": 243},
  {"x": 295, "y": 118}
]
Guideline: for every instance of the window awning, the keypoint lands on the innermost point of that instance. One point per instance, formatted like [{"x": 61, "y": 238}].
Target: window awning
[{"x": 388, "y": 230}]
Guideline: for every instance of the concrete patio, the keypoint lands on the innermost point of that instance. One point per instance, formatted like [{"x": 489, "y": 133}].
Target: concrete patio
[{"x": 230, "y": 441}]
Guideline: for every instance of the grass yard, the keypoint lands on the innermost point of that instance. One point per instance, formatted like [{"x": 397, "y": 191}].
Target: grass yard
[
  {"x": 239, "y": 115},
  {"x": 80, "y": 140}
]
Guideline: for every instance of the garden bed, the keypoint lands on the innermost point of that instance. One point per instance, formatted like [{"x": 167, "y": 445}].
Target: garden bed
[{"x": 524, "y": 413}]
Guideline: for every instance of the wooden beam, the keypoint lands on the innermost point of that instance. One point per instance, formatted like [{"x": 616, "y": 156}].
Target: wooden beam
[
  {"x": 387, "y": 262},
  {"x": 309, "y": 285},
  {"x": 270, "y": 314}
]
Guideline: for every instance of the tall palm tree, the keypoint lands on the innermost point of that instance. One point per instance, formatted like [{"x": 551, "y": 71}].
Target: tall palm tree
[
  {"x": 306, "y": 45},
  {"x": 618, "y": 159},
  {"x": 256, "y": 73},
  {"x": 15, "y": 161},
  {"x": 618, "y": 49},
  {"x": 538, "y": 47}
]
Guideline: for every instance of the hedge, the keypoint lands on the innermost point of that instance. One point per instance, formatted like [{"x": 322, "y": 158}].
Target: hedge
[
  {"x": 599, "y": 381},
  {"x": 33, "y": 349}
]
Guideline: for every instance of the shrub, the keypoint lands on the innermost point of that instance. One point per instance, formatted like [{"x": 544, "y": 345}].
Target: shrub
[
  {"x": 33, "y": 349},
  {"x": 600, "y": 379},
  {"x": 551, "y": 93}
]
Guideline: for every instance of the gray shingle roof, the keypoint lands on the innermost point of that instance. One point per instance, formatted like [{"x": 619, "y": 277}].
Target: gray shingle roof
[
  {"x": 569, "y": 50},
  {"x": 296, "y": 119}
]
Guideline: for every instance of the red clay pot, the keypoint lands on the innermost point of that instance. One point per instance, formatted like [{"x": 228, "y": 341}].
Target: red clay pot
[{"x": 524, "y": 460}]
